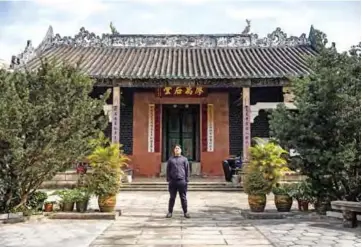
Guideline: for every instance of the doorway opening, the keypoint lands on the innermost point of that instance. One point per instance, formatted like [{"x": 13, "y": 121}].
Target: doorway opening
[{"x": 181, "y": 125}]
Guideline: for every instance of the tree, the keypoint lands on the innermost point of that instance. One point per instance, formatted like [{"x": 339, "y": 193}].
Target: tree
[
  {"x": 47, "y": 120},
  {"x": 325, "y": 130}
]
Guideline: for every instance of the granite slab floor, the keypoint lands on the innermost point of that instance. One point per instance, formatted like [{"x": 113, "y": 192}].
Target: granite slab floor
[{"x": 216, "y": 221}]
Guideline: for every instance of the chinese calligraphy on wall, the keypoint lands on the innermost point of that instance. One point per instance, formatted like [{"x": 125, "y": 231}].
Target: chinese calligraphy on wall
[
  {"x": 151, "y": 128},
  {"x": 115, "y": 114},
  {"x": 210, "y": 128},
  {"x": 246, "y": 123},
  {"x": 181, "y": 92}
]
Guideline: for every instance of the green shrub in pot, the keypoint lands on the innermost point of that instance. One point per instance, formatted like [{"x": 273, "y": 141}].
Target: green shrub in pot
[
  {"x": 36, "y": 200},
  {"x": 283, "y": 196},
  {"x": 67, "y": 199},
  {"x": 81, "y": 198},
  {"x": 107, "y": 161},
  {"x": 257, "y": 187},
  {"x": 303, "y": 193}
]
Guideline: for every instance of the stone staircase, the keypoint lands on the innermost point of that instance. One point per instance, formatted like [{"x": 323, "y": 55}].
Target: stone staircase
[
  {"x": 68, "y": 179},
  {"x": 205, "y": 185}
]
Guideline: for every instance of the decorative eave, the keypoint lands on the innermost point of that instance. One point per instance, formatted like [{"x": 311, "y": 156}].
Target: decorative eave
[
  {"x": 30, "y": 52},
  {"x": 88, "y": 39}
]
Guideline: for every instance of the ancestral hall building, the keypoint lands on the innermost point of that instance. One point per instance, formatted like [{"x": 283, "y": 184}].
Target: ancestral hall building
[{"x": 205, "y": 92}]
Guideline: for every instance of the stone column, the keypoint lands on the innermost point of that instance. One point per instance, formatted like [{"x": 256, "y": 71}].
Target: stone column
[
  {"x": 246, "y": 123},
  {"x": 116, "y": 114}
]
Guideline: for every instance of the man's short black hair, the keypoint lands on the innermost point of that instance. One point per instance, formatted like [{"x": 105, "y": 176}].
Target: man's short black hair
[{"x": 177, "y": 145}]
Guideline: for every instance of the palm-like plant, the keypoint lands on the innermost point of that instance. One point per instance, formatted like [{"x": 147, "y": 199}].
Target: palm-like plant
[
  {"x": 267, "y": 157},
  {"x": 107, "y": 163}
]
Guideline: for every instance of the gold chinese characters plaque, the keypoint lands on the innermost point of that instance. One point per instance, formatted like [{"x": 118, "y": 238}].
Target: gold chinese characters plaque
[{"x": 181, "y": 92}]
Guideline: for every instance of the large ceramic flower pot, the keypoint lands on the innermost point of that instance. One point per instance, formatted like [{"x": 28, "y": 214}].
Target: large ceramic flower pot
[
  {"x": 283, "y": 203},
  {"x": 81, "y": 206},
  {"x": 107, "y": 203},
  {"x": 67, "y": 206},
  {"x": 257, "y": 203}
]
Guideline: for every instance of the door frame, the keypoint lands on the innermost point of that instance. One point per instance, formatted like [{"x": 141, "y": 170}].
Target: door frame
[{"x": 196, "y": 126}]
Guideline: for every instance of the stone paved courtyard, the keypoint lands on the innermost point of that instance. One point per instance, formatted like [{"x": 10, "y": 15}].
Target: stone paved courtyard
[{"x": 216, "y": 221}]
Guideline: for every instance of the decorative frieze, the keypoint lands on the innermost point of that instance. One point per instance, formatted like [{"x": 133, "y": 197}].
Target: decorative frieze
[{"x": 89, "y": 39}]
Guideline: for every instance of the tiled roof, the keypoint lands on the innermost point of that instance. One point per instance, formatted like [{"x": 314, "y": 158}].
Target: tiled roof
[{"x": 184, "y": 62}]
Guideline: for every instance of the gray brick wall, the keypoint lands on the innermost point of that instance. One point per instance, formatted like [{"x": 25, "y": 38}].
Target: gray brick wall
[
  {"x": 235, "y": 123},
  {"x": 126, "y": 123}
]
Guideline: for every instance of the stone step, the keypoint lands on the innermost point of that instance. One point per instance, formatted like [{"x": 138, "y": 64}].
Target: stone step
[
  {"x": 198, "y": 183},
  {"x": 149, "y": 186},
  {"x": 189, "y": 186},
  {"x": 225, "y": 189}
]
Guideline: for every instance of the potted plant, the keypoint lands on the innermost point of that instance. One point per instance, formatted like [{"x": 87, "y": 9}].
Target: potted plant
[
  {"x": 283, "y": 197},
  {"x": 67, "y": 199},
  {"x": 48, "y": 206},
  {"x": 107, "y": 161},
  {"x": 256, "y": 186},
  {"x": 81, "y": 198},
  {"x": 302, "y": 192},
  {"x": 36, "y": 200},
  {"x": 269, "y": 158}
]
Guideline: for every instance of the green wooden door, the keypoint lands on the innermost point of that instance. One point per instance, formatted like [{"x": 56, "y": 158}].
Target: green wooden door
[{"x": 180, "y": 126}]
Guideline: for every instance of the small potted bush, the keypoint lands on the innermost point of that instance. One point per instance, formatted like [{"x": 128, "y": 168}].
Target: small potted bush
[
  {"x": 257, "y": 187},
  {"x": 107, "y": 161},
  {"x": 67, "y": 199},
  {"x": 36, "y": 200},
  {"x": 48, "y": 206},
  {"x": 303, "y": 194},
  {"x": 81, "y": 198},
  {"x": 283, "y": 197}
]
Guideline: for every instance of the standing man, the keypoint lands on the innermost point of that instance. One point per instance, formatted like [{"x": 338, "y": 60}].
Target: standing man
[{"x": 177, "y": 177}]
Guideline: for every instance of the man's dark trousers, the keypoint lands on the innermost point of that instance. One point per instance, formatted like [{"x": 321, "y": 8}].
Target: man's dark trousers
[{"x": 179, "y": 186}]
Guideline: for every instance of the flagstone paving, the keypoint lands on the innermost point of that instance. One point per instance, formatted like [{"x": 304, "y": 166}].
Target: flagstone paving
[{"x": 216, "y": 221}]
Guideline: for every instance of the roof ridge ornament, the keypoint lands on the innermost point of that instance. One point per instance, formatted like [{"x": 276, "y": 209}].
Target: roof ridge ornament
[
  {"x": 247, "y": 28},
  {"x": 88, "y": 39},
  {"x": 279, "y": 38}
]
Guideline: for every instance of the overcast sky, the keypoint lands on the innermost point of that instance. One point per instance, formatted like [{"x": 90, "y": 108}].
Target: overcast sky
[{"x": 29, "y": 20}]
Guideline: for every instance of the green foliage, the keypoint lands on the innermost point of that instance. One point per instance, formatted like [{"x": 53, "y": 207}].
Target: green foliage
[
  {"x": 283, "y": 189},
  {"x": 325, "y": 130},
  {"x": 37, "y": 199},
  {"x": 256, "y": 184},
  {"x": 303, "y": 191},
  {"x": 46, "y": 121},
  {"x": 267, "y": 157},
  {"x": 107, "y": 161},
  {"x": 66, "y": 195},
  {"x": 81, "y": 194}
]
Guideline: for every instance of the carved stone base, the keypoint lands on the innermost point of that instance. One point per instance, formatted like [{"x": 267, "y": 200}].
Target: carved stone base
[{"x": 349, "y": 219}]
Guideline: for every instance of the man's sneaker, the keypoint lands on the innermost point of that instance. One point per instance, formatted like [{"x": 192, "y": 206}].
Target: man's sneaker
[
  {"x": 186, "y": 215},
  {"x": 168, "y": 215}
]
